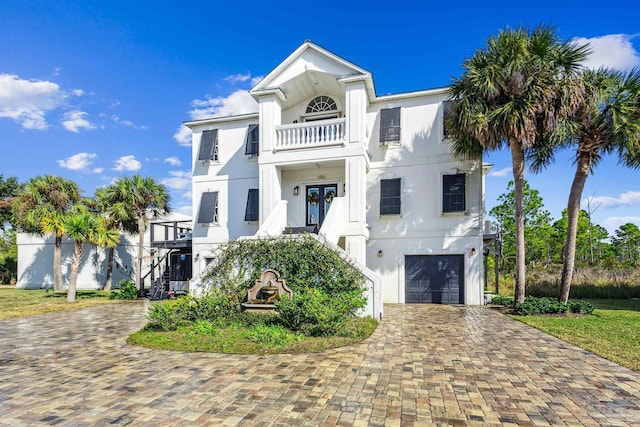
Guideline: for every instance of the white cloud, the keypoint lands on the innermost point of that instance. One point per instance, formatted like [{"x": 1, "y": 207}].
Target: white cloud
[
  {"x": 501, "y": 173},
  {"x": 79, "y": 162},
  {"x": 629, "y": 198},
  {"x": 614, "y": 222},
  {"x": 97, "y": 170},
  {"x": 183, "y": 136},
  {"x": 239, "y": 102},
  {"x": 235, "y": 78},
  {"x": 74, "y": 121},
  {"x": 173, "y": 161},
  {"x": 120, "y": 121},
  {"x": 255, "y": 80},
  {"x": 178, "y": 181},
  {"x": 127, "y": 163},
  {"x": 77, "y": 92},
  {"x": 28, "y": 101},
  {"x": 187, "y": 195},
  {"x": 611, "y": 50}
]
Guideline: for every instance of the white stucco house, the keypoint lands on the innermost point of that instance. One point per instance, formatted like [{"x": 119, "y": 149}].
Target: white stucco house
[
  {"x": 167, "y": 245},
  {"x": 374, "y": 175}
]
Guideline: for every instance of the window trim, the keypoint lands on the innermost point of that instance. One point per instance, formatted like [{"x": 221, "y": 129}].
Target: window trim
[
  {"x": 251, "y": 215},
  {"x": 215, "y": 215},
  {"x": 465, "y": 196},
  {"x": 398, "y": 197},
  {"x": 384, "y": 140}
]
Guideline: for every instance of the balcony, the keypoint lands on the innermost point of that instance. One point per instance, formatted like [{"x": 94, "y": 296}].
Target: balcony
[{"x": 321, "y": 133}]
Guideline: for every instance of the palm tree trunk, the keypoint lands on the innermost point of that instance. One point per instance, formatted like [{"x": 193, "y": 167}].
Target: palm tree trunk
[
  {"x": 517, "y": 158},
  {"x": 57, "y": 265},
  {"x": 573, "y": 212},
  {"x": 141, "y": 230},
  {"x": 109, "y": 278},
  {"x": 75, "y": 266}
]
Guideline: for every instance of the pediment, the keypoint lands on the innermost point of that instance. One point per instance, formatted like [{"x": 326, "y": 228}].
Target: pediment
[{"x": 308, "y": 59}]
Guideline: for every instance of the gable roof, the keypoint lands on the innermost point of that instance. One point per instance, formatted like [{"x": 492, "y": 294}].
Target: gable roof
[{"x": 309, "y": 57}]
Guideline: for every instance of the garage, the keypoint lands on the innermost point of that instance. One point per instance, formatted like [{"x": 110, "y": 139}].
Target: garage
[{"x": 435, "y": 279}]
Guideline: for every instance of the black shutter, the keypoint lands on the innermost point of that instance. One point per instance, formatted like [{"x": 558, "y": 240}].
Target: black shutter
[
  {"x": 390, "y": 196},
  {"x": 454, "y": 193},
  {"x": 446, "y": 108},
  {"x": 252, "y": 141},
  {"x": 390, "y": 125},
  {"x": 207, "y": 144},
  {"x": 208, "y": 207},
  {"x": 251, "y": 212}
]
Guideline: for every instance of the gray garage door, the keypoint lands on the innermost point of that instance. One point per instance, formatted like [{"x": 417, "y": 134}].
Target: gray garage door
[{"x": 434, "y": 279}]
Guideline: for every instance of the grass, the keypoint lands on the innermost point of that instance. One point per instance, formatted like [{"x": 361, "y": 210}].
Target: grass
[
  {"x": 613, "y": 331},
  {"x": 28, "y": 302},
  {"x": 242, "y": 339}
]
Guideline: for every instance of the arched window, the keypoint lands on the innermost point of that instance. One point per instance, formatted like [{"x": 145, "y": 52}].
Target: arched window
[{"x": 321, "y": 104}]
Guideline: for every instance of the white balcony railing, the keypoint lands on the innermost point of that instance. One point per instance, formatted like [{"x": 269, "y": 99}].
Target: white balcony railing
[{"x": 310, "y": 134}]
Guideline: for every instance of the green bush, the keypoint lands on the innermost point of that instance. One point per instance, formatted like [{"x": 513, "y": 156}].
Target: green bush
[
  {"x": 205, "y": 327},
  {"x": 273, "y": 335},
  {"x": 301, "y": 260},
  {"x": 534, "y": 305},
  {"x": 315, "y": 313},
  {"x": 168, "y": 315},
  {"x": 502, "y": 300},
  {"x": 126, "y": 290}
]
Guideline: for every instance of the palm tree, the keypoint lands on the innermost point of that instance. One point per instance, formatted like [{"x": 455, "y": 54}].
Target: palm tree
[
  {"x": 606, "y": 122},
  {"x": 84, "y": 226},
  {"x": 116, "y": 216},
  {"x": 509, "y": 96},
  {"x": 40, "y": 208},
  {"x": 143, "y": 197}
]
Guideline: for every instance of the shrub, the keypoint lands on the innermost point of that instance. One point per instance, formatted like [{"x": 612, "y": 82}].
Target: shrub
[
  {"x": 126, "y": 290},
  {"x": 168, "y": 315},
  {"x": 301, "y": 260},
  {"x": 274, "y": 335},
  {"x": 534, "y": 305},
  {"x": 502, "y": 300},
  {"x": 204, "y": 327},
  {"x": 316, "y": 313}
]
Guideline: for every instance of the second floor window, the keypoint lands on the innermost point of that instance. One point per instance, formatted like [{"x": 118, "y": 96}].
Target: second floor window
[
  {"x": 390, "y": 196},
  {"x": 252, "y": 141},
  {"x": 390, "y": 126},
  {"x": 454, "y": 193},
  {"x": 209, "y": 145},
  {"x": 208, "y": 213}
]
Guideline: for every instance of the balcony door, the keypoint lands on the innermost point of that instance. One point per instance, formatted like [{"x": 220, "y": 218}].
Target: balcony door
[{"x": 319, "y": 198}]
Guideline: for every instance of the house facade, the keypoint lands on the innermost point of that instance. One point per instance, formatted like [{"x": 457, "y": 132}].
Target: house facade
[{"x": 372, "y": 175}]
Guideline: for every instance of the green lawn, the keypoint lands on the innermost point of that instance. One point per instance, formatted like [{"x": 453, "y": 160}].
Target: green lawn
[
  {"x": 21, "y": 302},
  {"x": 613, "y": 331}
]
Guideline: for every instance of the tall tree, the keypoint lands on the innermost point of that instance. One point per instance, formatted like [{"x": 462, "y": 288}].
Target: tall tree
[
  {"x": 508, "y": 96},
  {"x": 41, "y": 207},
  {"x": 9, "y": 189},
  {"x": 627, "y": 244},
  {"x": 144, "y": 198},
  {"x": 607, "y": 121},
  {"x": 537, "y": 225},
  {"x": 117, "y": 216}
]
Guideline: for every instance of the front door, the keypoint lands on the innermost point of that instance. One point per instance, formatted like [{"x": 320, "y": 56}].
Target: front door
[{"x": 319, "y": 198}]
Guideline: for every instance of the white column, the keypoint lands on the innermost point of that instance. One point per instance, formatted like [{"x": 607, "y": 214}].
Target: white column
[
  {"x": 270, "y": 112},
  {"x": 270, "y": 190},
  {"x": 356, "y": 246},
  {"x": 356, "y": 111}
]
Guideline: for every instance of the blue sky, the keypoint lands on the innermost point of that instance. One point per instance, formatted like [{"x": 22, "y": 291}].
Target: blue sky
[{"x": 93, "y": 90}]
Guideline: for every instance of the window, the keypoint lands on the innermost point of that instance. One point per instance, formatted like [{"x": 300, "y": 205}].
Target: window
[
  {"x": 390, "y": 125},
  {"x": 321, "y": 104},
  {"x": 251, "y": 212},
  {"x": 209, "y": 145},
  {"x": 453, "y": 193},
  {"x": 390, "y": 196},
  {"x": 446, "y": 108},
  {"x": 252, "y": 141},
  {"x": 208, "y": 213}
]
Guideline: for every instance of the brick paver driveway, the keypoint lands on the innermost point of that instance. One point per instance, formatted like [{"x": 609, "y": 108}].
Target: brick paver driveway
[{"x": 425, "y": 365}]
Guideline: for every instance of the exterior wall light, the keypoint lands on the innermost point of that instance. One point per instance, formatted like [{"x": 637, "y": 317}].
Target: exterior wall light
[
  {"x": 473, "y": 251},
  {"x": 380, "y": 253},
  {"x": 296, "y": 190}
]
